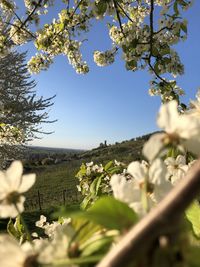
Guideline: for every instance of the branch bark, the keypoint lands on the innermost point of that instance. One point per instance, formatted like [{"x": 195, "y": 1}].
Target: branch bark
[{"x": 143, "y": 233}]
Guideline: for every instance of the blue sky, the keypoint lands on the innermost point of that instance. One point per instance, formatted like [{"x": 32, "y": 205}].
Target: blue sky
[{"x": 108, "y": 103}]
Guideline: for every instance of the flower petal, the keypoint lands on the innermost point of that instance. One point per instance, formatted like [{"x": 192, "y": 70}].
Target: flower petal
[
  {"x": 157, "y": 172},
  {"x": 168, "y": 116},
  {"x": 9, "y": 210},
  {"x": 27, "y": 182},
  {"x": 137, "y": 170},
  {"x": 153, "y": 146},
  {"x": 14, "y": 175}
]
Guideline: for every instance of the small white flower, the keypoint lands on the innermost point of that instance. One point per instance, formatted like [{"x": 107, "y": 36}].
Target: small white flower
[
  {"x": 177, "y": 168},
  {"x": 12, "y": 185},
  {"x": 51, "y": 228},
  {"x": 41, "y": 222}
]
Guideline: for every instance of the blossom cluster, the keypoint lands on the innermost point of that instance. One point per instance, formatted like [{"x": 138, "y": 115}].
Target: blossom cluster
[
  {"x": 10, "y": 135},
  {"x": 18, "y": 34},
  {"x": 39, "y": 62},
  {"x": 94, "y": 180},
  {"x": 104, "y": 58},
  {"x": 145, "y": 42}
]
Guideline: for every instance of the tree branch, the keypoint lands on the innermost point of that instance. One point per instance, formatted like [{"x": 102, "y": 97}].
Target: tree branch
[
  {"x": 123, "y": 11},
  {"x": 118, "y": 17},
  {"x": 148, "y": 229}
]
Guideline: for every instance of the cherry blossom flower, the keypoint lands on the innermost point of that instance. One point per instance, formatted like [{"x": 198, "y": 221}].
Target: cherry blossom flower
[
  {"x": 182, "y": 131},
  {"x": 147, "y": 186},
  {"x": 14, "y": 255},
  {"x": 57, "y": 247},
  {"x": 127, "y": 191},
  {"x": 154, "y": 177},
  {"x": 12, "y": 185},
  {"x": 50, "y": 228},
  {"x": 177, "y": 168}
]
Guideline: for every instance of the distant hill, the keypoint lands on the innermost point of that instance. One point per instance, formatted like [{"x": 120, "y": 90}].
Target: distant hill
[
  {"x": 52, "y": 150},
  {"x": 125, "y": 151}
]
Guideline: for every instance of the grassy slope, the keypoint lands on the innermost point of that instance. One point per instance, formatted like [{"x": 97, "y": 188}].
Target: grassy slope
[{"x": 52, "y": 180}]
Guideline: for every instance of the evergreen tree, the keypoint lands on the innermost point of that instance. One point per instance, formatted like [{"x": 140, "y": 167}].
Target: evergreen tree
[{"x": 20, "y": 108}]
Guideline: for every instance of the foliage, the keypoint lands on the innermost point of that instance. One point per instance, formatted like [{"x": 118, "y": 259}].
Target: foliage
[
  {"x": 94, "y": 180},
  {"x": 22, "y": 112}
]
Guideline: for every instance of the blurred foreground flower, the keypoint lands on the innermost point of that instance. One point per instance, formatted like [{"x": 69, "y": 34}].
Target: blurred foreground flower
[
  {"x": 14, "y": 255},
  {"x": 147, "y": 186},
  {"x": 182, "y": 131},
  {"x": 12, "y": 185}
]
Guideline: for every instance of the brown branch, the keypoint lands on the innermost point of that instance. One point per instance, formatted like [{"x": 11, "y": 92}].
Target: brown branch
[
  {"x": 28, "y": 18},
  {"x": 151, "y": 27},
  {"x": 118, "y": 17},
  {"x": 157, "y": 75},
  {"x": 152, "y": 33},
  {"x": 162, "y": 29},
  {"x": 123, "y": 11},
  {"x": 150, "y": 227},
  {"x": 19, "y": 28},
  {"x": 76, "y": 8}
]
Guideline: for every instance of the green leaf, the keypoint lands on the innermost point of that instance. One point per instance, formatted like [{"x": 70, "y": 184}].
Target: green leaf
[
  {"x": 116, "y": 169},
  {"x": 78, "y": 261},
  {"x": 82, "y": 171},
  {"x": 111, "y": 213},
  {"x": 176, "y": 11},
  {"x": 101, "y": 7},
  {"x": 100, "y": 245},
  {"x": 156, "y": 67},
  {"x": 11, "y": 229},
  {"x": 19, "y": 226},
  {"x": 131, "y": 65},
  {"x": 193, "y": 216},
  {"x": 184, "y": 27},
  {"x": 108, "y": 165},
  {"x": 155, "y": 51},
  {"x": 84, "y": 229},
  {"x": 94, "y": 187},
  {"x": 86, "y": 201},
  {"x": 165, "y": 51},
  {"x": 16, "y": 230}
]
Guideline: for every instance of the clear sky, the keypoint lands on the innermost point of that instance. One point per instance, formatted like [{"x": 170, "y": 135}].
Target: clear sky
[{"x": 109, "y": 103}]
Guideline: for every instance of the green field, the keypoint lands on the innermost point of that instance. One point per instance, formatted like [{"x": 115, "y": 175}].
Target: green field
[{"x": 56, "y": 183}]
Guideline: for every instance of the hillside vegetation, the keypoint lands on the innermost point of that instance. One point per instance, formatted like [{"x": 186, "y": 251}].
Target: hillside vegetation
[{"x": 56, "y": 182}]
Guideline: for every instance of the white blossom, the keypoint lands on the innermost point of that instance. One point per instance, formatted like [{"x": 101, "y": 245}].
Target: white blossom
[
  {"x": 14, "y": 255},
  {"x": 182, "y": 131},
  {"x": 12, "y": 185},
  {"x": 177, "y": 168}
]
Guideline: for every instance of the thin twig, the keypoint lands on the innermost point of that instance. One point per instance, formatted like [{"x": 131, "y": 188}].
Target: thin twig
[
  {"x": 152, "y": 33},
  {"x": 76, "y": 8},
  {"x": 123, "y": 11},
  {"x": 27, "y": 19},
  {"x": 118, "y": 17}
]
